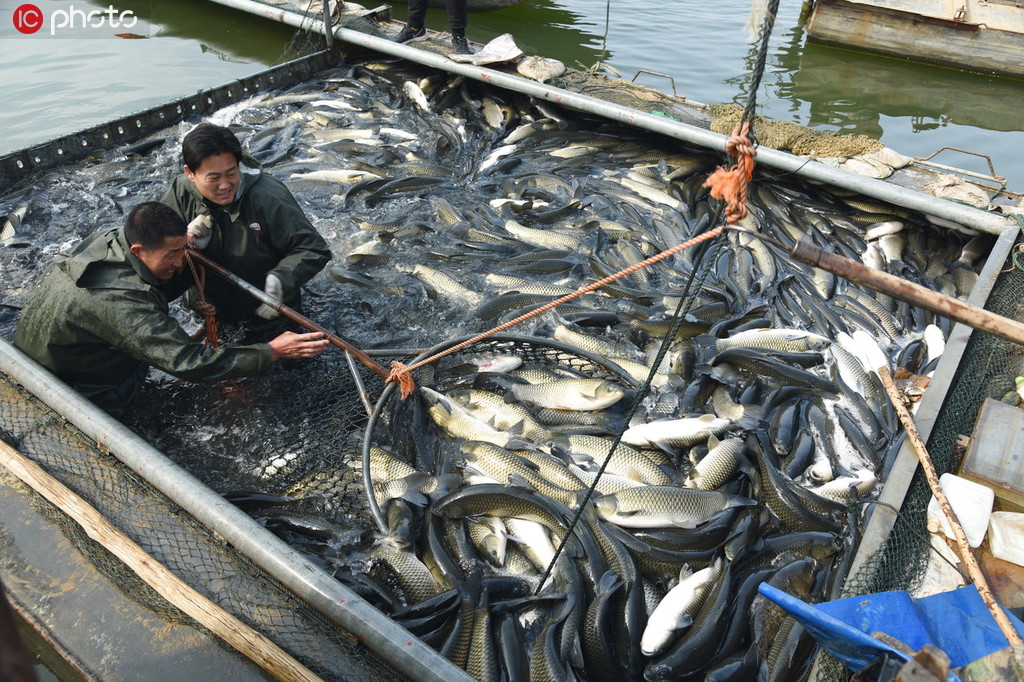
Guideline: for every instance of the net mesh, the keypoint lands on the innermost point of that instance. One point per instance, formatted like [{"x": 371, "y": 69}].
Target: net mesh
[{"x": 188, "y": 549}]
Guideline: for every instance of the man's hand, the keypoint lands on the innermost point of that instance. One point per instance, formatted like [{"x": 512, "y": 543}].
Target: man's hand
[
  {"x": 199, "y": 232},
  {"x": 290, "y": 345},
  {"x": 274, "y": 289}
]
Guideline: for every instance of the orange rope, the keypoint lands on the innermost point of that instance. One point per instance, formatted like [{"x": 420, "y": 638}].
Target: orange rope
[
  {"x": 401, "y": 373},
  {"x": 731, "y": 184},
  {"x": 205, "y": 308}
]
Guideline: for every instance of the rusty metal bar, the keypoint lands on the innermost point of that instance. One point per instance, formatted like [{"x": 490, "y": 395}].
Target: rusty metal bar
[
  {"x": 292, "y": 315},
  {"x": 953, "y": 308}
]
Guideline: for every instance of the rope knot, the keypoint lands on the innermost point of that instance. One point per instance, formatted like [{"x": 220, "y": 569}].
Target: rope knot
[
  {"x": 204, "y": 307},
  {"x": 400, "y": 373},
  {"x": 730, "y": 184}
]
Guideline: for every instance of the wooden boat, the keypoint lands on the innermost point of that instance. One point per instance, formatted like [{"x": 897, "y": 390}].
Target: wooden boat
[
  {"x": 977, "y": 35},
  {"x": 472, "y": 5}
]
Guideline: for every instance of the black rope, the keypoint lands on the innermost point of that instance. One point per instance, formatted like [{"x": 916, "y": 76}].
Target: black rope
[
  {"x": 762, "y": 59},
  {"x": 645, "y": 388}
]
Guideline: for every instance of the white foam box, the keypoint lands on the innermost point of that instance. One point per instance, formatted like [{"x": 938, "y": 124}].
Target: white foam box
[
  {"x": 1006, "y": 536},
  {"x": 972, "y": 504}
]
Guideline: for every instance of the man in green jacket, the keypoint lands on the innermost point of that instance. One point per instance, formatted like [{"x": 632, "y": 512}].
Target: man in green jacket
[
  {"x": 245, "y": 220},
  {"x": 98, "y": 317}
]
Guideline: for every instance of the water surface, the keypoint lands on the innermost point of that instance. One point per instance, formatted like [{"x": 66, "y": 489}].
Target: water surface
[{"x": 57, "y": 86}]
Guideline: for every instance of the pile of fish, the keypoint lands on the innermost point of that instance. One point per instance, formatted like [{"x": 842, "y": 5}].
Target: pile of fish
[{"x": 452, "y": 207}]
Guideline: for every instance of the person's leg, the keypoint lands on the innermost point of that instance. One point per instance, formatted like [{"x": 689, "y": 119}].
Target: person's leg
[
  {"x": 456, "y": 16},
  {"x": 414, "y": 27},
  {"x": 457, "y": 24}
]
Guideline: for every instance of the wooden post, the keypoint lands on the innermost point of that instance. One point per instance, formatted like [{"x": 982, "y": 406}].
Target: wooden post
[
  {"x": 973, "y": 569},
  {"x": 237, "y": 634}
]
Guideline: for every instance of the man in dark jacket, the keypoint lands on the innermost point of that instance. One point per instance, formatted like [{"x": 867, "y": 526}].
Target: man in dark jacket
[
  {"x": 246, "y": 221},
  {"x": 98, "y": 317}
]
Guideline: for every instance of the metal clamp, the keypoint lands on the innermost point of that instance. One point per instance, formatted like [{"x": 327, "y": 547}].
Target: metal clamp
[
  {"x": 655, "y": 73},
  {"x": 998, "y": 179}
]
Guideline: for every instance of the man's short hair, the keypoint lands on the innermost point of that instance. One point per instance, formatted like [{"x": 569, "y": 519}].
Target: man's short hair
[
  {"x": 149, "y": 224},
  {"x": 207, "y": 139}
]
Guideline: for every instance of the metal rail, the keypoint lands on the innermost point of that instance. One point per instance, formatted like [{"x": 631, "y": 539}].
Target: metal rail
[
  {"x": 75, "y": 146},
  {"x": 813, "y": 170},
  {"x": 380, "y": 634}
]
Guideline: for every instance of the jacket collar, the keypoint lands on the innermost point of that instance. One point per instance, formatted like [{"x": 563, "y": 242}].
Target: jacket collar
[{"x": 84, "y": 262}]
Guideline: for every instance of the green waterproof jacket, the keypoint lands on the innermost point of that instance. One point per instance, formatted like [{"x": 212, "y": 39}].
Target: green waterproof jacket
[
  {"x": 263, "y": 231},
  {"x": 97, "y": 318}
]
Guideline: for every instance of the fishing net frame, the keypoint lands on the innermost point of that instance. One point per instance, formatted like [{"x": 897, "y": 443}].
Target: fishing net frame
[{"x": 530, "y": 348}]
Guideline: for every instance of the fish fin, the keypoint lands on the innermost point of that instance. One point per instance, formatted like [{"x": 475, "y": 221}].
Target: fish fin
[
  {"x": 442, "y": 485},
  {"x": 634, "y": 475},
  {"x": 520, "y": 444},
  {"x": 682, "y": 523},
  {"x": 559, "y": 442},
  {"x": 752, "y": 416},
  {"x": 713, "y": 441},
  {"x": 519, "y": 481},
  {"x": 684, "y": 620},
  {"x": 706, "y": 346},
  {"x": 739, "y": 501},
  {"x": 528, "y": 463}
]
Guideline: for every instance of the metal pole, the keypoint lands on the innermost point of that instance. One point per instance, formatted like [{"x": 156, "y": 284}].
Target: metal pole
[
  {"x": 813, "y": 170},
  {"x": 380, "y": 634}
]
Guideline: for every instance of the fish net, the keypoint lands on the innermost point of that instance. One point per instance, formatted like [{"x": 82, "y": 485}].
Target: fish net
[
  {"x": 440, "y": 191},
  {"x": 178, "y": 542}
]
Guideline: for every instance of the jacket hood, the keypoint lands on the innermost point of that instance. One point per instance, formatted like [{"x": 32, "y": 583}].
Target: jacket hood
[{"x": 103, "y": 261}]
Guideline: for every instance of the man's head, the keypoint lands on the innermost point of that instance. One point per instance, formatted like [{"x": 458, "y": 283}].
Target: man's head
[
  {"x": 212, "y": 154},
  {"x": 156, "y": 235}
]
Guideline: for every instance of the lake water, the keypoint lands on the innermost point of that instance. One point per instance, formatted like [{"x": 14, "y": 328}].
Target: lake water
[{"x": 55, "y": 85}]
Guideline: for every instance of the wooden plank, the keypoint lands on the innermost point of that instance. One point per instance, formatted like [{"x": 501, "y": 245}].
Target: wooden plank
[
  {"x": 906, "y": 35},
  {"x": 233, "y": 631}
]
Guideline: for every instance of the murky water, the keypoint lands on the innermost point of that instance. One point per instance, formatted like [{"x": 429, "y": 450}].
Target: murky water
[{"x": 57, "y": 85}]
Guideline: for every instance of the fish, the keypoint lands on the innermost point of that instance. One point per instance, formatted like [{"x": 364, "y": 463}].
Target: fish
[
  {"x": 677, "y": 608},
  {"x": 12, "y": 233},
  {"x": 546, "y": 239},
  {"x": 444, "y": 284},
  {"x": 456, "y": 420},
  {"x": 718, "y": 465},
  {"x": 661, "y": 506},
  {"x": 414, "y": 93},
  {"x": 625, "y": 460},
  {"x": 775, "y": 339},
  {"x": 675, "y": 432},
  {"x": 492, "y": 409},
  {"x": 569, "y": 394}
]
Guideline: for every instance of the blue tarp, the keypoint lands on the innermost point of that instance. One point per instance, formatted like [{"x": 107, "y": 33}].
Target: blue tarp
[{"x": 956, "y": 622}]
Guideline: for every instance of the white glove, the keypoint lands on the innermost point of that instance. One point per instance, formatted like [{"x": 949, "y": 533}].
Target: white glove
[
  {"x": 275, "y": 289},
  {"x": 200, "y": 230}
]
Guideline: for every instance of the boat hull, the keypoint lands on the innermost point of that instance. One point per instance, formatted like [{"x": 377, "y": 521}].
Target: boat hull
[
  {"x": 955, "y": 42},
  {"x": 473, "y": 6}
]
